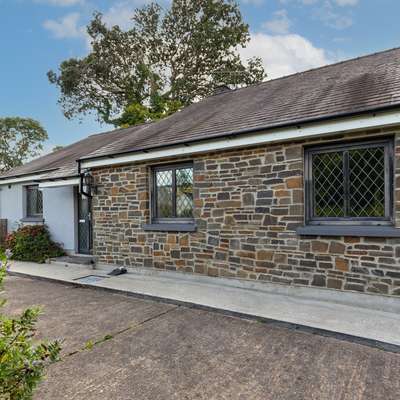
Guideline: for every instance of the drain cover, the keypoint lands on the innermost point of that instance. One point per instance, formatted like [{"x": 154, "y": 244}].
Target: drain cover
[{"x": 90, "y": 279}]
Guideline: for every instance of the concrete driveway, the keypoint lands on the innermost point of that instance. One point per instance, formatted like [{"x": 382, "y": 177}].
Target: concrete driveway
[{"x": 149, "y": 350}]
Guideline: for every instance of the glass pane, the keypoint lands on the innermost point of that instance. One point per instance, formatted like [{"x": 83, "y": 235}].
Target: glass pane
[
  {"x": 184, "y": 193},
  {"x": 367, "y": 182},
  {"x": 328, "y": 184},
  {"x": 164, "y": 194},
  {"x": 29, "y": 202},
  {"x": 34, "y": 201},
  {"x": 39, "y": 202}
]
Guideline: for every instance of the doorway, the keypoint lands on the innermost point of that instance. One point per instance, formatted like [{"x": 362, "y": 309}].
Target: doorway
[{"x": 84, "y": 225}]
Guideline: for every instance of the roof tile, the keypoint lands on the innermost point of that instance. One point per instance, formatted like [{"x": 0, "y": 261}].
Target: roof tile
[{"x": 362, "y": 84}]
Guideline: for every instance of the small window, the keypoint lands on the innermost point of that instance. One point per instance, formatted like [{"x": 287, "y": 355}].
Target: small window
[
  {"x": 350, "y": 183},
  {"x": 173, "y": 193},
  {"x": 34, "y": 201}
]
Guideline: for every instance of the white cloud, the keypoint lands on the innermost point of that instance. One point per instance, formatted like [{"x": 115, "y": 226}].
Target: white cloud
[
  {"x": 253, "y": 2},
  {"x": 280, "y": 24},
  {"x": 285, "y": 54},
  {"x": 61, "y": 3},
  {"x": 344, "y": 3},
  {"x": 305, "y": 2},
  {"x": 338, "y": 21},
  {"x": 333, "y": 19},
  {"x": 341, "y": 3},
  {"x": 327, "y": 12},
  {"x": 121, "y": 13},
  {"x": 65, "y": 27}
]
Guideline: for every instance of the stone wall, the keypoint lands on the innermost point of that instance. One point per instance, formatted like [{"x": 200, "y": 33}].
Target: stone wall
[{"x": 248, "y": 204}]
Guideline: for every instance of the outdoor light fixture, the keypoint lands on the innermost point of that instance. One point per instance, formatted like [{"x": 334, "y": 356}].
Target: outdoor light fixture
[{"x": 88, "y": 187}]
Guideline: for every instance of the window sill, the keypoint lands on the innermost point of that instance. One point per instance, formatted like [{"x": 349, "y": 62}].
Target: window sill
[
  {"x": 32, "y": 219},
  {"x": 170, "y": 227},
  {"x": 350, "y": 230}
]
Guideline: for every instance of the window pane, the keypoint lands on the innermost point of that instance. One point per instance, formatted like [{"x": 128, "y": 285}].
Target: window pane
[
  {"x": 164, "y": 194},
  {"x": 34, "y": 201},
  {"x": 184, "y": 193},
  {"x": 39, "y": 202},
  {"x": 367, "y": 182},
  {"x": 328, "y": 184}
]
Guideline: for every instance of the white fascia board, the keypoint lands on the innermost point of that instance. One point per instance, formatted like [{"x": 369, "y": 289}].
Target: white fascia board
[
  {"x": 20, "y": 179},
  {"x": 59, "y": 183},
  {"x": 367, "y": 121}
]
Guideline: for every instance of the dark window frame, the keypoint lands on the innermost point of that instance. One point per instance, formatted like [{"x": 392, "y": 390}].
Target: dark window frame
[
  {"x": 28, "y": 190},
  {"x": 154, "y": 210},
  {"x": 388, "y": 219}
]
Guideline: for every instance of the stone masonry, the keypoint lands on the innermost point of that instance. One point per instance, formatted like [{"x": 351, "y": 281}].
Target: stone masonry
[{"x": 248, "y": 204}]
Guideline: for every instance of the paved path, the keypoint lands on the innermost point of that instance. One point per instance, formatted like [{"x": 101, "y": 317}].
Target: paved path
[
  {"x": 365, "y": 316},
  {"x": 159, "y": 351}
]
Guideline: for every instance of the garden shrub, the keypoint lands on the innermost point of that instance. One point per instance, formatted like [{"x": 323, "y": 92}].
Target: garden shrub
[
  {"x": 22, "y": 359},
  {"x": 32, "y": 243}
]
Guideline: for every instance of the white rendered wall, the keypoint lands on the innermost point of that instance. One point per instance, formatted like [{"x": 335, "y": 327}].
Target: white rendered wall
[
  {"x": 12, "y": 205},
  {"x": 59, "y": 215},
  {"x": 58, "y": 211}
]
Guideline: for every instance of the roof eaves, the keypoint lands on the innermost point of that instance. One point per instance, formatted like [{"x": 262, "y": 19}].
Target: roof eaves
[
  {"x": 249, "y": 130},
  {"x": 56, "y": 178},
  {"x": 43, "y": 171}
]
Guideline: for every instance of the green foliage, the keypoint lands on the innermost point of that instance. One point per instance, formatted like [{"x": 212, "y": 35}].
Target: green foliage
[
  {"x": 136, "y": 113},
  {"x": 22, "y": 359},
  {"x": 32, "y": 243},
  {"x": 20, "y": 139},
  {"x": 167, "y": 59},
  {"x": 58, "y": 147},
  {"x": 89, "y": 345},
  {"x": 3, "y": 268}
]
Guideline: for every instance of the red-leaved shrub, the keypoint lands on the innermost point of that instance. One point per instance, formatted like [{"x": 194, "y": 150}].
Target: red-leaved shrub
[{"x": 32, "y": 243}]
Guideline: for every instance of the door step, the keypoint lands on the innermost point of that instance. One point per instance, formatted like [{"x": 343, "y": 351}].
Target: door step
[{"x": 83, "y": 260}]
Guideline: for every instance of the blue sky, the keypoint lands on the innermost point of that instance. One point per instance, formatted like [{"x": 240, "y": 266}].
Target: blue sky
[{"x": 289, "y": 35}]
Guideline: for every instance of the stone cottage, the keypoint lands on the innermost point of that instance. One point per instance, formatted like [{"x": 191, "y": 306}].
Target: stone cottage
[{"x": 293, "y": 181}]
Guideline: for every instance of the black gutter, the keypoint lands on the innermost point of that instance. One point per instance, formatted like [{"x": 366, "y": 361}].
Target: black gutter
[
  {"x": 249, "y": 130},
  {"x": 80, "y": 176}
]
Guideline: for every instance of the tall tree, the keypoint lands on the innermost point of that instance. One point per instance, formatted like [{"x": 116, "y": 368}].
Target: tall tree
[
  {"x": 168, "y": 58},
  {"x": 20, "y": 140}
]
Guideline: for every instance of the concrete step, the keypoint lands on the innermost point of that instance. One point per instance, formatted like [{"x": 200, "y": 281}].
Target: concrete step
[
  {"x": 362, "y": 300},
  {"x": 73, "y": 259}
]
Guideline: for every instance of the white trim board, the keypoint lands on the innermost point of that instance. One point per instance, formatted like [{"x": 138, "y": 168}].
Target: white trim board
[
  {"x": 361, "y": 122},
  {"x": 18, "y": 179},
  {"x": 43, "y": 184},
  {"x": 59, "y": 183}
]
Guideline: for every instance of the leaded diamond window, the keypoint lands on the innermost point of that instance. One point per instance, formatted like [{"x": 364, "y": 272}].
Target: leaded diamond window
[
  {"x": 173, "y": 192},
  {"x": 164, "y": 194},
  {"x": 328, "y": 188},
  {"x": 184, "y": 193},
  {"x": 350, "y": 182},
  {"x": 34, "y": 201}
]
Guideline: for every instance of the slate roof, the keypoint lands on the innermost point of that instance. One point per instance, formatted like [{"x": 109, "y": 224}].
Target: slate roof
[
  {"x": 359, "y": 85},
  {"x": 62, "y": 163}
]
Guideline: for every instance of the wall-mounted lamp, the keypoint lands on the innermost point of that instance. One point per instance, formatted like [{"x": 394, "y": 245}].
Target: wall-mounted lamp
[{"x": 87, "y": 186}]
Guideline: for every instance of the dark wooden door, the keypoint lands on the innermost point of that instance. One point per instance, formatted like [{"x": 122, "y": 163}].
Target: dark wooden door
[{"x": 84, "y": 225}]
